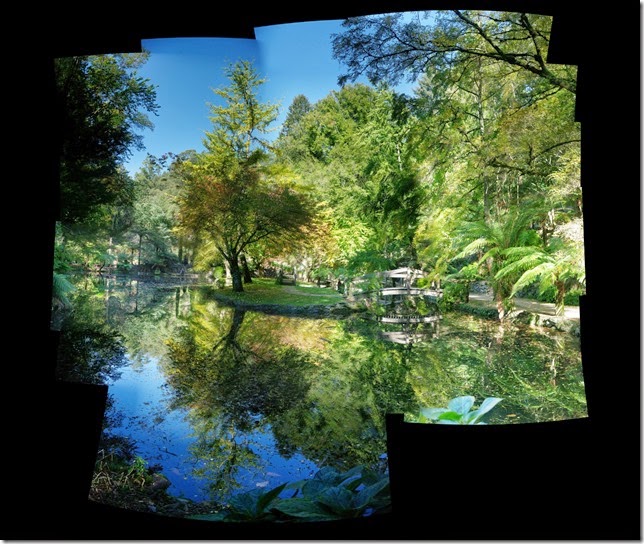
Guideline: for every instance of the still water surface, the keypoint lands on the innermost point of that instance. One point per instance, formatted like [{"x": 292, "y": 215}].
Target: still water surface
[{"x": 227, "y": 400}]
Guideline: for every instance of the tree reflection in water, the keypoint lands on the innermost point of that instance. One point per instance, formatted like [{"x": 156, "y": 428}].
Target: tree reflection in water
[
  {"x": 234, "y": 382},
  {"x": 257, "y": 388}
]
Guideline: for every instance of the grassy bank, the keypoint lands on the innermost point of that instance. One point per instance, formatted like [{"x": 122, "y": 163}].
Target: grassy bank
[
  {"x": 128, "y": 483},
  {"x": 267, "y": 291}
]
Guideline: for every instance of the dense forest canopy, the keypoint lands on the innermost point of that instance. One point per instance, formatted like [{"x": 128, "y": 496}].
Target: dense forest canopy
[{"x": 472, "y": 176}]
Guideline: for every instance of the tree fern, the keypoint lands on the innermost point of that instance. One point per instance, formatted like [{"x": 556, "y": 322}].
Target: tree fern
[
  {"x": 473, "y": 247},
  {"x": 61, "y": 287},
  {"x": 491, "y": 242},
  {"x": 539, "y": 271},
  {"x": 559, "y": 265}
]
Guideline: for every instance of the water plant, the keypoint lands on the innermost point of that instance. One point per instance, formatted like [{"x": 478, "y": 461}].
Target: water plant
[{"x": 459, "y": 411}]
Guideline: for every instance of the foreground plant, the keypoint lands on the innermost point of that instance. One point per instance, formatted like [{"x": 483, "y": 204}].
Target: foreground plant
[
  {"x": 459, "y": 412},
  {"x": 329, "y": 495}
]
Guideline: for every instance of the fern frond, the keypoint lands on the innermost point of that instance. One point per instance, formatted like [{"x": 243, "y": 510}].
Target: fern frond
[
  {"x": 530, "y": 276},
  {"x": 61, "y": 287},
  {"x": 519, "y": 252},
  {"x": 520, "y": 265},
  {"x": 472, "y": 248}
]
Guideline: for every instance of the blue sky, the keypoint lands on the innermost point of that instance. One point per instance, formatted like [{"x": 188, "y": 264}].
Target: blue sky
[{"x": 295, "y": 58}]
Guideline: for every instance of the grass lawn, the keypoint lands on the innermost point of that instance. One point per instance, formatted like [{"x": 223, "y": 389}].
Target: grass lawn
[{"x": 266, "y": 291}]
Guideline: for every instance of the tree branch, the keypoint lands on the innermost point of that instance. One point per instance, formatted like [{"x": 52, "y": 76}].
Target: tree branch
[
  {"x": 544, "y": 151},
  {"x": 512, "y": 58},
  {"x": 496, "y": 164}
]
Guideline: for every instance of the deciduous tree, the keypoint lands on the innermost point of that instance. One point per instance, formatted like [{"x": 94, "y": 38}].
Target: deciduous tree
[
  {"x": 399, "y": 46},
  {"x": 232, "y": 194}
]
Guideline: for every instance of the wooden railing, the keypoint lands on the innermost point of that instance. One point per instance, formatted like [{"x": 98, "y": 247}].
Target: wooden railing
[{"x": 393, "y": 318}]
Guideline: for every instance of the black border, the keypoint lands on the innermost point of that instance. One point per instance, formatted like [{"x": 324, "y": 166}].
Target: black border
[{"x": 51, "y": 428}]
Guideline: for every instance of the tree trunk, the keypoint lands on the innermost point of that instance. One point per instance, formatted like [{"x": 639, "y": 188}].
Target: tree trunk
[
  {"x": 236, "y": 274},
  {"x": 486, "y": 201},
  {"x": 500, "y": 308},
  {"x": 247, "y": 277},
  {"x": 140, "y": 243},
  {"x": 559, "y": 297},
  {"x": 110, "y": 249},
  {"x": 480, "y": 114},
  {"x": 238, "y": 319},
  {"x": 547, "y": 227}
]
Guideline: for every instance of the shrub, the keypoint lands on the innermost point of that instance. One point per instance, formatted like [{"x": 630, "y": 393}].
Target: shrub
[
  {"x": 219, "y": 277},
  {"x": 479, "y": 311},
  {"x": 572, "y": 297},
  {"x": 453, "y": 294}
]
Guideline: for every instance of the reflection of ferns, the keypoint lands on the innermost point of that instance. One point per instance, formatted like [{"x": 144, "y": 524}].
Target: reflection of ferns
[{"x": 61, "y": 287}]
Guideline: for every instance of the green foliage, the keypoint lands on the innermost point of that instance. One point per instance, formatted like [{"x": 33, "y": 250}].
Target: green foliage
[
  {"x": 453, "y": 294},
  {"x": 123, "y": 480},
  {"x": 291, "y": 142},
  {"x": 152, "y": 232},
  {"x": 61, "y": 288},
  {"x": 549, "y": 294},
  {"x": 123, "y": 265},
  {"x": 394, "y": 46},
  {"x": 63, "y": 257},
  {"x": 219, "y": 277},
  {"x": 493, "y": 243},
  {"x": 372, "y": 201},
  {"x": 255, "y": 505},
  {"x": 459, "y": 411},
  {"x": 138, "y": 231},
  {"x": 90, "y": 350},
  {"x": 117, "y": 474},
  {"x": 559, "y": 266},
  {"x": 572, "y": 297},
  {"x": 322, "y": 273},
  {"x": 232, "y": 196},
  {"x": 239, "y": 120},
  {"x": 138, "y": 467},
  {"x": 467, "y": 274},
  {"x": 478, "y": 310},
  {"x": 329, "y": 495},
  {"x": 102, "y": 104},
  {"x": 336, "y": 495}
]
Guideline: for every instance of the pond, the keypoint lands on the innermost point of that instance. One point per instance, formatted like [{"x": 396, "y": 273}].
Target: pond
[{"x": 226, "y": 400}]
